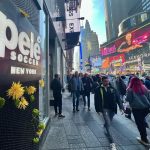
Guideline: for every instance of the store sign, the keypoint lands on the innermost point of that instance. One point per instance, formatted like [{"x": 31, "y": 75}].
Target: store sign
[
  {"x": 72, "y": 13},
  {"x": 20, "y": 54}
]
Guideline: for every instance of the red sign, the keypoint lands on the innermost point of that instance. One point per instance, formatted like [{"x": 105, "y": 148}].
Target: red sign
[{"x": 120, "y": 58}]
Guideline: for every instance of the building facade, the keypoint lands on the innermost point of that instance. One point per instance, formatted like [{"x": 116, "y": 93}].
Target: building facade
[
  {"x": 89, "y": 44},
  {"x": 115, "y": 12},
  {"x": 33, "y": 41}
]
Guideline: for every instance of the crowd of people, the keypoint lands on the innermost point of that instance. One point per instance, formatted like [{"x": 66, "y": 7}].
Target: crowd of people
[{"x": 130, "y": 93}]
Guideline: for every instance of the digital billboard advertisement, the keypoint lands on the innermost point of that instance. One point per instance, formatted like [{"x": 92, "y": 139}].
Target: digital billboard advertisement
[{"x": 132, "y": 48}]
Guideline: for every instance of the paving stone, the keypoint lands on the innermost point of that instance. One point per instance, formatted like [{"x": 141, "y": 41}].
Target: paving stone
[
  {"x": 70, "y": 128},
  {"x": 56, "y": 139},
  {"x": 104, "y": 141},
  {"x": 134, "y": 147},
  {"x": 88, "y": 137},
  {"x": 82, "y": 145}
]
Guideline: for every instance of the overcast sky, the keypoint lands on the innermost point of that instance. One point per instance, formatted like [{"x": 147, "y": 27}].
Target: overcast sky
[{"x": 93, "y": 10}]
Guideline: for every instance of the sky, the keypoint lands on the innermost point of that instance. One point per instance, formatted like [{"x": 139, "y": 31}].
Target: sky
[{"x": 93, "y": 11}]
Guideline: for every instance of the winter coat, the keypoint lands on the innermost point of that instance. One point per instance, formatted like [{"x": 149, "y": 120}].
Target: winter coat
[
  {"x": 138, "y": 101},
  {"x": 76, "y": 84},
  {"x": 107, "y": 100},
  {"x": 56, "y": 86},
  {"x": 87, "y": 84}
]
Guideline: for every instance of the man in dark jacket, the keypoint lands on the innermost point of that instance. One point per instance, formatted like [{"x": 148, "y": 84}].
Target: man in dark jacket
[
  {"x": 147, "y": 82},
  {"x": 106, "y": 100},
  {"x": 57, "y": 87},
  {"x": 87, "y": 84}
]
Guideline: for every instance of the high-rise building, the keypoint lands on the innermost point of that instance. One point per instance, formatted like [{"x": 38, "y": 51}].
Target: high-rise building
[
  {"x": 115, "y": 12},
  {"x": 89, "y": 41},
  {"x": 140, "y": 6}
]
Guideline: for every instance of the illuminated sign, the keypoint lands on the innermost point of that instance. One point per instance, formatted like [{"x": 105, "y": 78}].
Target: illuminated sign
[
  {"x": 132, "y": 41},
  {"x": 108, "y": 50}
]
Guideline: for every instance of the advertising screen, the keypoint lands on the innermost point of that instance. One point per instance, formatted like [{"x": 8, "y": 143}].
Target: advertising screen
[
  {"x": 131, "y": 43},
  {"x": 96, "y": 61}
]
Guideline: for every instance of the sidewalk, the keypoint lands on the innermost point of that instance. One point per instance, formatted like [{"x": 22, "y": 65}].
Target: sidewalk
[{"x": 84, "y": 130}]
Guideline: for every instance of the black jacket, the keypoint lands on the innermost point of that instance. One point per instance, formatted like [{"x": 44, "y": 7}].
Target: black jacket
[
  {"x": 56, "y": 86},
  {"x": 110, "y": 99}
]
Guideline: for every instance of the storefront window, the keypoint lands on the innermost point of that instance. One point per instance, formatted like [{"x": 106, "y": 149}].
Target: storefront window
[{"x": 43, "y": 93}]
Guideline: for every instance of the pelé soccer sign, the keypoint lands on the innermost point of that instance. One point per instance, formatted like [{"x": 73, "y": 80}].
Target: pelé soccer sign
[{"x": 20, "y": 51}]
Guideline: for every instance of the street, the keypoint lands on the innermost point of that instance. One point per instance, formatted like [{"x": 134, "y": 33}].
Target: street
[{"x": 84, "y": 130}]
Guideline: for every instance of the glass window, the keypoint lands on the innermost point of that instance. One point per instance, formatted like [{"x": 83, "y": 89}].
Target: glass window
[
  {"x": 43, "y": 98},
  {"x": 144, "y": 17}
]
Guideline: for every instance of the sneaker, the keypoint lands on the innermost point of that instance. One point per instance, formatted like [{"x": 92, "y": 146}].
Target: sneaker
[
  {"x": 89, "y": 109},
  {"x": 61, "y": 116},
  {"x": 77, "y": 110},
  {"x": 146, "y": 143},
  {"x": 113, "y": 146},
  {"x": 73, "y": 110}
]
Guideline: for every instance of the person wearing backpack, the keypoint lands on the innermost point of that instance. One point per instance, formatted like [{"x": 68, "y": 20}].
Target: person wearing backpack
[{"x": 139, "y": 100}]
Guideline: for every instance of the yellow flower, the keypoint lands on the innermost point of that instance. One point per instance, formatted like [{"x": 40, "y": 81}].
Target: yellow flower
[
  {"x": 39, "y": 132},
  {"x": 31, "y": 90},
  {"x": 16, "y": 91},
  {"x": 41, "y": 83},
  {"x": 23, "y": 103}
]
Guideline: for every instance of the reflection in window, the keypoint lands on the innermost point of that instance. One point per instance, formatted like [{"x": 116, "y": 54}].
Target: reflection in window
[
  {"x": 144, "y": 17},
  {"x": 42, "y": 91}
]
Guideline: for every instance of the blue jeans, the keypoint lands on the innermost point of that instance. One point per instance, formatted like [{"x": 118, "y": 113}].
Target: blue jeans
[{"x": 76, "y": 95}]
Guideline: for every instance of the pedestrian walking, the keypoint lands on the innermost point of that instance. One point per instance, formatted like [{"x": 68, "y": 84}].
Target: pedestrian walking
[
  {"x": 139, "y": 100},
  {"x": 106, "y": 100},
  {"x": 77, "y": 87},
  {"x": 87, "y": 84},
  {"x": 56, "y": 88}
]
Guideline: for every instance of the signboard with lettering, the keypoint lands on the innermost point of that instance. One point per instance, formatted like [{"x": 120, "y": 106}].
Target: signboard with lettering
[
  {"x": 20, "y": 54},
  {"x": 72, "y": 14}
]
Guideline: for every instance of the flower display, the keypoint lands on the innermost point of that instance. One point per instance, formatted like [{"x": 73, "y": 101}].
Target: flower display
[
  {"x": 39, "y": 132},
  {"x": 32, "y": 98},
  {"x": 2, "y": 102},
  {"x": 36, "y": 140},
  {"x": 41, "y": 125},
  {"x": 41, "y": 83},
  {"x": 31, "y": 90},
  {"x": 35, "y": 112},
  {"x": 16, "y": 91},
  {"x": 23, "y": 103}
]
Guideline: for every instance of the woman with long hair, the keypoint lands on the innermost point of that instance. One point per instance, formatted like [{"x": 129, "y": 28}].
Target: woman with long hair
[{"x": 139, "y": 100}]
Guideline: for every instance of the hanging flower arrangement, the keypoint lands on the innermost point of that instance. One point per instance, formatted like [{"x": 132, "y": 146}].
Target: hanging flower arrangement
[
  {"x": 16, "y": 91},
  {"x": 2, "y": 102},
  {"x": 22, "y": 96},
  {"x": 41, "y": 83}
]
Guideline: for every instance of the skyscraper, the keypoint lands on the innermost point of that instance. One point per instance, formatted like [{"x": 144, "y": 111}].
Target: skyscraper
[
  {"x": 115, "y": 12},
  {"x": 89, "y": 41}
]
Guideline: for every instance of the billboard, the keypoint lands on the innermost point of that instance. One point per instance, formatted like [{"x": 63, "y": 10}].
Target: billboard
[
  {"x": 135, "y": 40},
  {"x": 20, "y": 54},
  {"x": 96, "y": 61}
]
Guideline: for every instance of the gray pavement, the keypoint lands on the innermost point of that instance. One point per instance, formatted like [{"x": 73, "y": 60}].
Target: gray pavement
[{"x": 84, "y": 130}]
